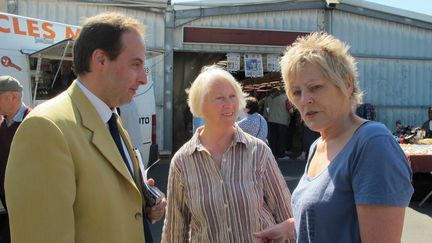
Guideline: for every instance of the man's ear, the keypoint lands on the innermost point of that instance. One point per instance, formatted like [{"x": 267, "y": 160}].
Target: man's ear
[
  {"x": 98, "y": 59},
  {"x": 14, "y": 95}
]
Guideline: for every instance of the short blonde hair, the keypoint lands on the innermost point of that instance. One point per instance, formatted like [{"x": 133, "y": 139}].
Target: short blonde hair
[
  {"x": 332, "y": 57},
  {"x": 200, "y": 87}
]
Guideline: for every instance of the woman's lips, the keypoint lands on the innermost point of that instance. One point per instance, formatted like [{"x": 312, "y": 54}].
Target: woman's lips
[
  {"x": 311, "y": 114},
  {"x": 228, "y": 114}
]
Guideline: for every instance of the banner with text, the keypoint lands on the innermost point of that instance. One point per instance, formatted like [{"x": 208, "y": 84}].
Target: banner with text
[{"x": 253, "y": 65}]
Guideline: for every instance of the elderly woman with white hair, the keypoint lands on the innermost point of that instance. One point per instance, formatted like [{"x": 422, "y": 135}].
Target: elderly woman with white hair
[
  {"x": 223, "y": 184},
  {"x": 357, "y": 181}
]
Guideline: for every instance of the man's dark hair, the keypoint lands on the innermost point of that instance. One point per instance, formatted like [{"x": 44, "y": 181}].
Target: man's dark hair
[
  {"x": 103, "y": 32},
  {"x": 252, "y": 104}
]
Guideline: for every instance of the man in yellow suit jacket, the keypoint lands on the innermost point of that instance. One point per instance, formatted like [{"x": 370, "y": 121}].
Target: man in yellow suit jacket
[{"x": 66, "y": 180}]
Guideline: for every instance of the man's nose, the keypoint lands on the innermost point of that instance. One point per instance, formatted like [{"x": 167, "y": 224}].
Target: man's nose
[{"x": 143, "y": 79}]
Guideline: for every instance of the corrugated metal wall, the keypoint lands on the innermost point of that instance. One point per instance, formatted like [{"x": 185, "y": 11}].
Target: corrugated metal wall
[
  {"x": 370, "y": 36},
  {"x": 73, "y": 12},
  {"x": 395, "y": 65},
  {"x": 395, "y": 60},
  {"x": 295, "y": 20}
]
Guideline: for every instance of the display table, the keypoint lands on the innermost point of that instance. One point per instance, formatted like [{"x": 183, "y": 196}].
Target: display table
[{"x": 420, "y": 159}]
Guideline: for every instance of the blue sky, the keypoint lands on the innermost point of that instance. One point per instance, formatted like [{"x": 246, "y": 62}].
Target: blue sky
[{"x": 420, "y": 6}]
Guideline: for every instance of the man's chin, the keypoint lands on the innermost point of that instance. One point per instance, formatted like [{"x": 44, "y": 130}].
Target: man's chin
[{"x": 125, "y": 101}]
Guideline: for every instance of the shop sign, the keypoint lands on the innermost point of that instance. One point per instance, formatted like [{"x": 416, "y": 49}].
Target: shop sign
[
  {"x": 273, "y": 63},
  {"x": 253, "y": 65},
  {"x": 233, "y": 62}
]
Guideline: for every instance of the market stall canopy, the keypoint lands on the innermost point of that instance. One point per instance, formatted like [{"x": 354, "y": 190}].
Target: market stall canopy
[{"x": 59, "y": 51}]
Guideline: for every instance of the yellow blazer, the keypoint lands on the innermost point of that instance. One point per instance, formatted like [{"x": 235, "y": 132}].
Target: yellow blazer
[{"x": 67, "y": 182}]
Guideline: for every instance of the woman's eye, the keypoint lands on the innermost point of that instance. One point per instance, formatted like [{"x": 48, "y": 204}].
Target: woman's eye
[
  {"x": 315, "y": 87},
  {"x": 296, "y": 93}
]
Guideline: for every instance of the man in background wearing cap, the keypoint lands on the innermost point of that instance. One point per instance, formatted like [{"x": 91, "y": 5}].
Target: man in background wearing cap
[
  {"x": 427, "y": 125},
  {"x": 13, "y": 111}
]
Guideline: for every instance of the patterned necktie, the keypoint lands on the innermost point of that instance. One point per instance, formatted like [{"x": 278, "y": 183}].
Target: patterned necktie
[{"x": 112, "y": 123}]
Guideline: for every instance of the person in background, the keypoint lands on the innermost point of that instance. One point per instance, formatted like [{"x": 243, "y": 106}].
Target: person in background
[
  {"x": 12, "y": 112},
  {"x": 223, "y": 184},
  {"x": 264, "y": 103},
  {"x": 241, "y": 115},
  {"x": 64, "y": 79},
  {"x": 308, "y": 137},
  {"x": 278, "y": 122},
  {"x": 72, "y": 175},
  {"x": 253, "y": 123},
  {"x": 357, "y": 182},
  {"x": 427, "y": 125},
  {"x": 196, "y": 123}
]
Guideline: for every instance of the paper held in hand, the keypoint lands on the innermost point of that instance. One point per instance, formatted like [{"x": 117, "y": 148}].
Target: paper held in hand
[
  {"x": 155, "y": 194},
  {"x": 2, "y": 208}
]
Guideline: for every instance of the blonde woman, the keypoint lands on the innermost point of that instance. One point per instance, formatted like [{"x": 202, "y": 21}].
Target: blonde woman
[
  {"x": 223, "y": 184},
  {"x": 356, "y": 184}
]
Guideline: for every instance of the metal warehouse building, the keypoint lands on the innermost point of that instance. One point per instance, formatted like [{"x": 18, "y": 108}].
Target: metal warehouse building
[{"x": 392, "y": 47}]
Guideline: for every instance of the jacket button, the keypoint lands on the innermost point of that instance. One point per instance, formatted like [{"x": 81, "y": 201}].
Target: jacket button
[{"x": 138, "y": 216}]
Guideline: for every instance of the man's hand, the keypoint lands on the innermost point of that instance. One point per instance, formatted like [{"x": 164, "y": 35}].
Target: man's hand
[
  {"x": 277, "y": 233},
  {"x": 156, "y": 212}
]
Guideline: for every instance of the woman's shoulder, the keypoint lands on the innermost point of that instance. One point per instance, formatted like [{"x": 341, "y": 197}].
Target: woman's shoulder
[
  {"x": 257, "y": 119},
  {"x": 373, "y": 132},
  {"x": 185, "y": 151},
  {"x": 259, "y": 116},
  {"x": 373, "y": 128}
]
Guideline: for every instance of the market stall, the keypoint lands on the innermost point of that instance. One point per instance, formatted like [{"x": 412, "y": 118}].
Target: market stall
[{"x": 420, "y": 159}]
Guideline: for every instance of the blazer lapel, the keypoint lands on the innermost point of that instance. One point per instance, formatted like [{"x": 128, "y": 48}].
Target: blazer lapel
[
  {"x": 101, "y": 139},
  {"x": 132, "y": 154}
]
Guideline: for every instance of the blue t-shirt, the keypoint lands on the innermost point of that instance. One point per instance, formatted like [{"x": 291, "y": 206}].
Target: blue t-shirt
[
  {"x": 370, "y": 169},
  {"x": 197, "y": 122}
]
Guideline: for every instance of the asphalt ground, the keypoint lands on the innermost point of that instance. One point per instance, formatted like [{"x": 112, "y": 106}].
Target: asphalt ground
[{"x": 418, "y": 220}]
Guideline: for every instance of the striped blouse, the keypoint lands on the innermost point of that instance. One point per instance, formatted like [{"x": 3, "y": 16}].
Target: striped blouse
[{"x": 227, "y": 204}]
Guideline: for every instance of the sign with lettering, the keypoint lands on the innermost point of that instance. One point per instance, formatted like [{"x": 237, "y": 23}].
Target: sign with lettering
[{"x": 23, "y": 33}]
